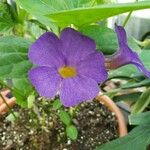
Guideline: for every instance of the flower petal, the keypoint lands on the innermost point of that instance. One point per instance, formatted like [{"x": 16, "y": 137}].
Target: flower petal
[
  {"x": 93, "y": 67},
  {"x": 124, "y": 55},
  {"x": 46, "y": 51},
  {"x": 76, "y": 46},
  {"x": 46, "y": 81},
  {"x": 78, "y": 89}
]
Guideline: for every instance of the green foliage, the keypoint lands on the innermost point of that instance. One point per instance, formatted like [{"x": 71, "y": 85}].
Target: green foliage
[
  {"x": 127, "y": 97},
  {"x": 13, "y": 57},
  {"x": 11, "y": 117},
  {"x": 82, "y": 16},
  {"x": 142, "y": 102},
  {"x": 31, "y": 100},
  {"x": 6, "y": 20},
  {"x": 140, "y": 119},
  {"x": 104, "y": 37},
  {"x": 14, "y": 65},
  {"x": 72, "y": 132},
  {"x": 57, "y": 104},
  {"x": 65, "y": 117},
  {"x": 137, "y": 139},
  {"x": 145, "y": 82}
]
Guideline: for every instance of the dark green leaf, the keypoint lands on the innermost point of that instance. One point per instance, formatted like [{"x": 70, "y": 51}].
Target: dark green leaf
[
  {"x": 65, "y": 117},
  {"x": 82, "y": 16},
  {"x": 13, "y": 57},
  {"x": 127, "y": 97},
  {"x": 137, "y": 139},
  {"x": 104, "y": 37},
  {"x": 140, "y": 119},
  {"x": 72, "y": 132},
  {"x": 142, "y": 102}
]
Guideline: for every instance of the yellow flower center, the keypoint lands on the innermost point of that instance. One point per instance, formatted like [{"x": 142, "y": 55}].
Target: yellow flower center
[{"x": 67, "y": 72}]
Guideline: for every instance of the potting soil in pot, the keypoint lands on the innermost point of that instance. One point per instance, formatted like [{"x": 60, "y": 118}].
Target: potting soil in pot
[{"x": 95, "y": 123}]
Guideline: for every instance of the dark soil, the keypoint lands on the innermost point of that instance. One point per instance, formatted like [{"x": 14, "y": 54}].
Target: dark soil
[{"x": 96, "y": 125}]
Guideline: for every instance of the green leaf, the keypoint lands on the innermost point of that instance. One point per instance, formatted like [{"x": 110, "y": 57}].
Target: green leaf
[
  {"x": 127, "y": 97},
  {"x": 145, "y": 82},
  {"x": 23, "y": 85},
  {"x": 22, "y": 89},
  {"x": 21, "y": 99},
  {"x": 82, "y": 16},
  {"x": 140, "y": 119},
  {"x": 104, "y": 37},
  {"x": 11, "y": 117},
  {"x": 142, "y": 102},
  {"x": 31, "y": 100},
  {"x": 72, "y": 132},
  {"x": 65, "y": 117},
  {"x": 57, "y": 104},
  {"x": 137, "y": 139},
  {"x": 6, "y": 21},
  {"x": 39, "y": 8},
  {"x": 13, "y": 57}
]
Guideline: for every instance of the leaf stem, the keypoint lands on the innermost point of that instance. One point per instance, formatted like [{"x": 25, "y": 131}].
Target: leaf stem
[{"x": 128, "y": 17}]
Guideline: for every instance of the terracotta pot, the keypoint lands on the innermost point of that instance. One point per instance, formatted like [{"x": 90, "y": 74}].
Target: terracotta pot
[
  {"x": 10, "y": 101},
  {"x": 113, "y": 107}
]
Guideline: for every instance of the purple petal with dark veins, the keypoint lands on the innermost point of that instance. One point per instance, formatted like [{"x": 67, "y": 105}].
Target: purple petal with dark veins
[
  {"x": 93, "y": 67},
  {"x": 76, "y": 46},
  {"x": 124, "y": 55},
  {"x": 46, "y": 51},
  {"x": 46, "y": 81},
  {"x": 76, "y": 90}
]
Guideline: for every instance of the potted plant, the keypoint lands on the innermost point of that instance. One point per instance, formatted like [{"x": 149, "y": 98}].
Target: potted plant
[{"x": 57, "y": 57}]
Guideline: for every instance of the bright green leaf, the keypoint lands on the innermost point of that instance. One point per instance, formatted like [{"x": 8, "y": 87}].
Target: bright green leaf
[
  {"x": 31, "y": 100},
  {"x": 72, "y": 132},
  {"x": 11, "y": 117},
  {"x": 140, "y": 119},
  {"x": 137, "y": 139},
  {"x": 82, "y": 16},
  {"x": 6, "y": 21},
  {"x": 57, "y": 104},
  {"x": 65, "y": 117}
]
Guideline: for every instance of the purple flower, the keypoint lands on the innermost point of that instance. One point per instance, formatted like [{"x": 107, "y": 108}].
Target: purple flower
[
  {"x": 69, "y": 65},
  {"x": 124, "y": 55}
]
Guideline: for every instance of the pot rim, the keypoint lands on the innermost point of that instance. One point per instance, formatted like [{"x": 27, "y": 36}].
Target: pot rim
[{"x": 122, "y": 128}]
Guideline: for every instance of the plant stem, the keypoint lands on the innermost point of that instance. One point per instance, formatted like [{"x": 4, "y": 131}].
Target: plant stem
[
  {"x": 128, "y": 17},
  {"x": 8, "y": 106}
]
